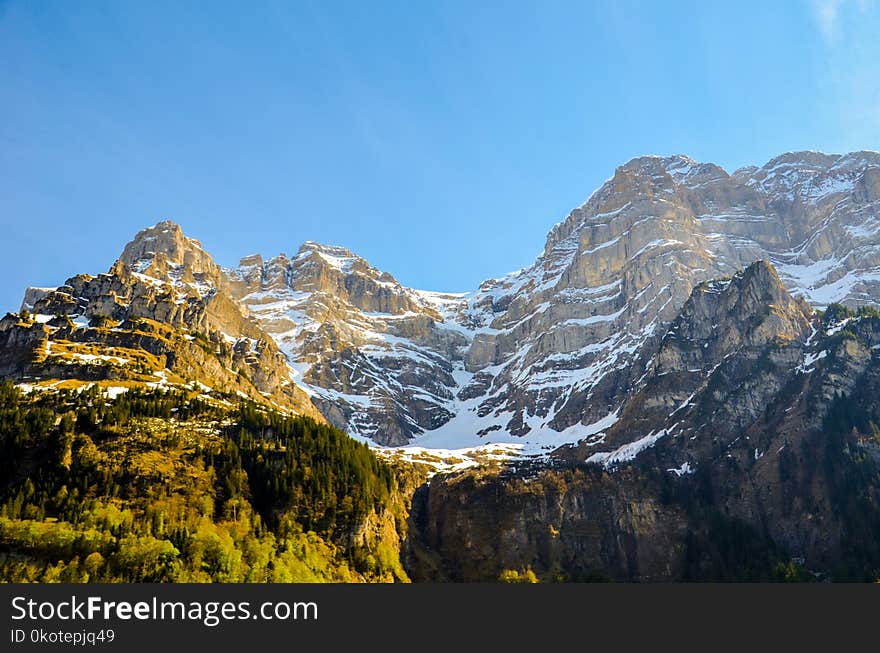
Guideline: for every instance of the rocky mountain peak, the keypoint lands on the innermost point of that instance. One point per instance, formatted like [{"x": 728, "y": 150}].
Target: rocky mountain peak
[
  {"x": 721, "y": 317},
  {"x": 861, "y": 160},
  {"x": 652, "y": 164},
  {"x": 812, "y": 178},
  {"x": 662, "y": 171},
  {"x": 330, "y": 260},
  {"x": 335, "y": 251},
  {"x": 163, "y": 315},
  {"x": 165, "y": 237},
  {"x": 760, "y": 282},
  {"x": 642, "y": 186},
  {"x": 803, "y": 159},
  {"x": 350, "y": 281},
  {"x": 809, "y": 161},
  {"x": 732, "y": 345},
  {"x": 254, "y": 260},
  {"x": 340, "y": 260},
  {"x": 165, "y": 253}
]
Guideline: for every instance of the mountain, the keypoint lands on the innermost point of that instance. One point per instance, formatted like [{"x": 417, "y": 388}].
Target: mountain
[
  {"x": 547, "y": 355},
  {"x": 731, "y": 349},
  {"x": 376, "y": 357},
  {"x": 539, "y": 358},
  {"x": 750, "y": 452},
  {"x": 163, "y": 316},
  {"x": 150, "y": 431},
  {"x": 543, "y": 357}
]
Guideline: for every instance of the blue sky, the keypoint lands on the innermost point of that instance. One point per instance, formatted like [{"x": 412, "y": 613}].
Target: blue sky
[{"x": 440, "y": 140}]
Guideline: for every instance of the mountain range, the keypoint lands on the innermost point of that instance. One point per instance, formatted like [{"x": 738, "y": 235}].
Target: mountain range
[
  {"x": 691, "y": 350},
  {"x": 540, "y": 357}
]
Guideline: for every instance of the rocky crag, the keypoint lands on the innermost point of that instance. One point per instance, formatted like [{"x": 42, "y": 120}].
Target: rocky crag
[{"x": 162, "y": 316}]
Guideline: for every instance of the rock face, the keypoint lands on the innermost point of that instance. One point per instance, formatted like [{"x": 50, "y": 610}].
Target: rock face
[
  {"x": 548, "y": 355},
  {"x": 571, "y": 526}
]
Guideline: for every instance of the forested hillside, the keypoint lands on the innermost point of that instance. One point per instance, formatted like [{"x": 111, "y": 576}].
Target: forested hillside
[{"x": 163, "y": 486}]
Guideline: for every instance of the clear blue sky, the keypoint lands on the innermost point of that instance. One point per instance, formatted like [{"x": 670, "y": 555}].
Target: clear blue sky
[{"x": 440, "y": 140}]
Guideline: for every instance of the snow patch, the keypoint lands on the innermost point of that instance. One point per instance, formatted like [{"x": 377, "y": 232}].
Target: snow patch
[{"x": 684, "y": 470}]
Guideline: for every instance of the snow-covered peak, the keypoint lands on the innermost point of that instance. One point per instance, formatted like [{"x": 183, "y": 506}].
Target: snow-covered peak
[
  {"x": 811, "y": 177},
  {"x": 678, "y": 164},
  {"x": 339, "y": 260},
  {"x": 857, "y": 161},
  {"x": 682, "y": 168},
  {"x": 810, "y": 162},
  {"x": 802, "y": 160}
]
